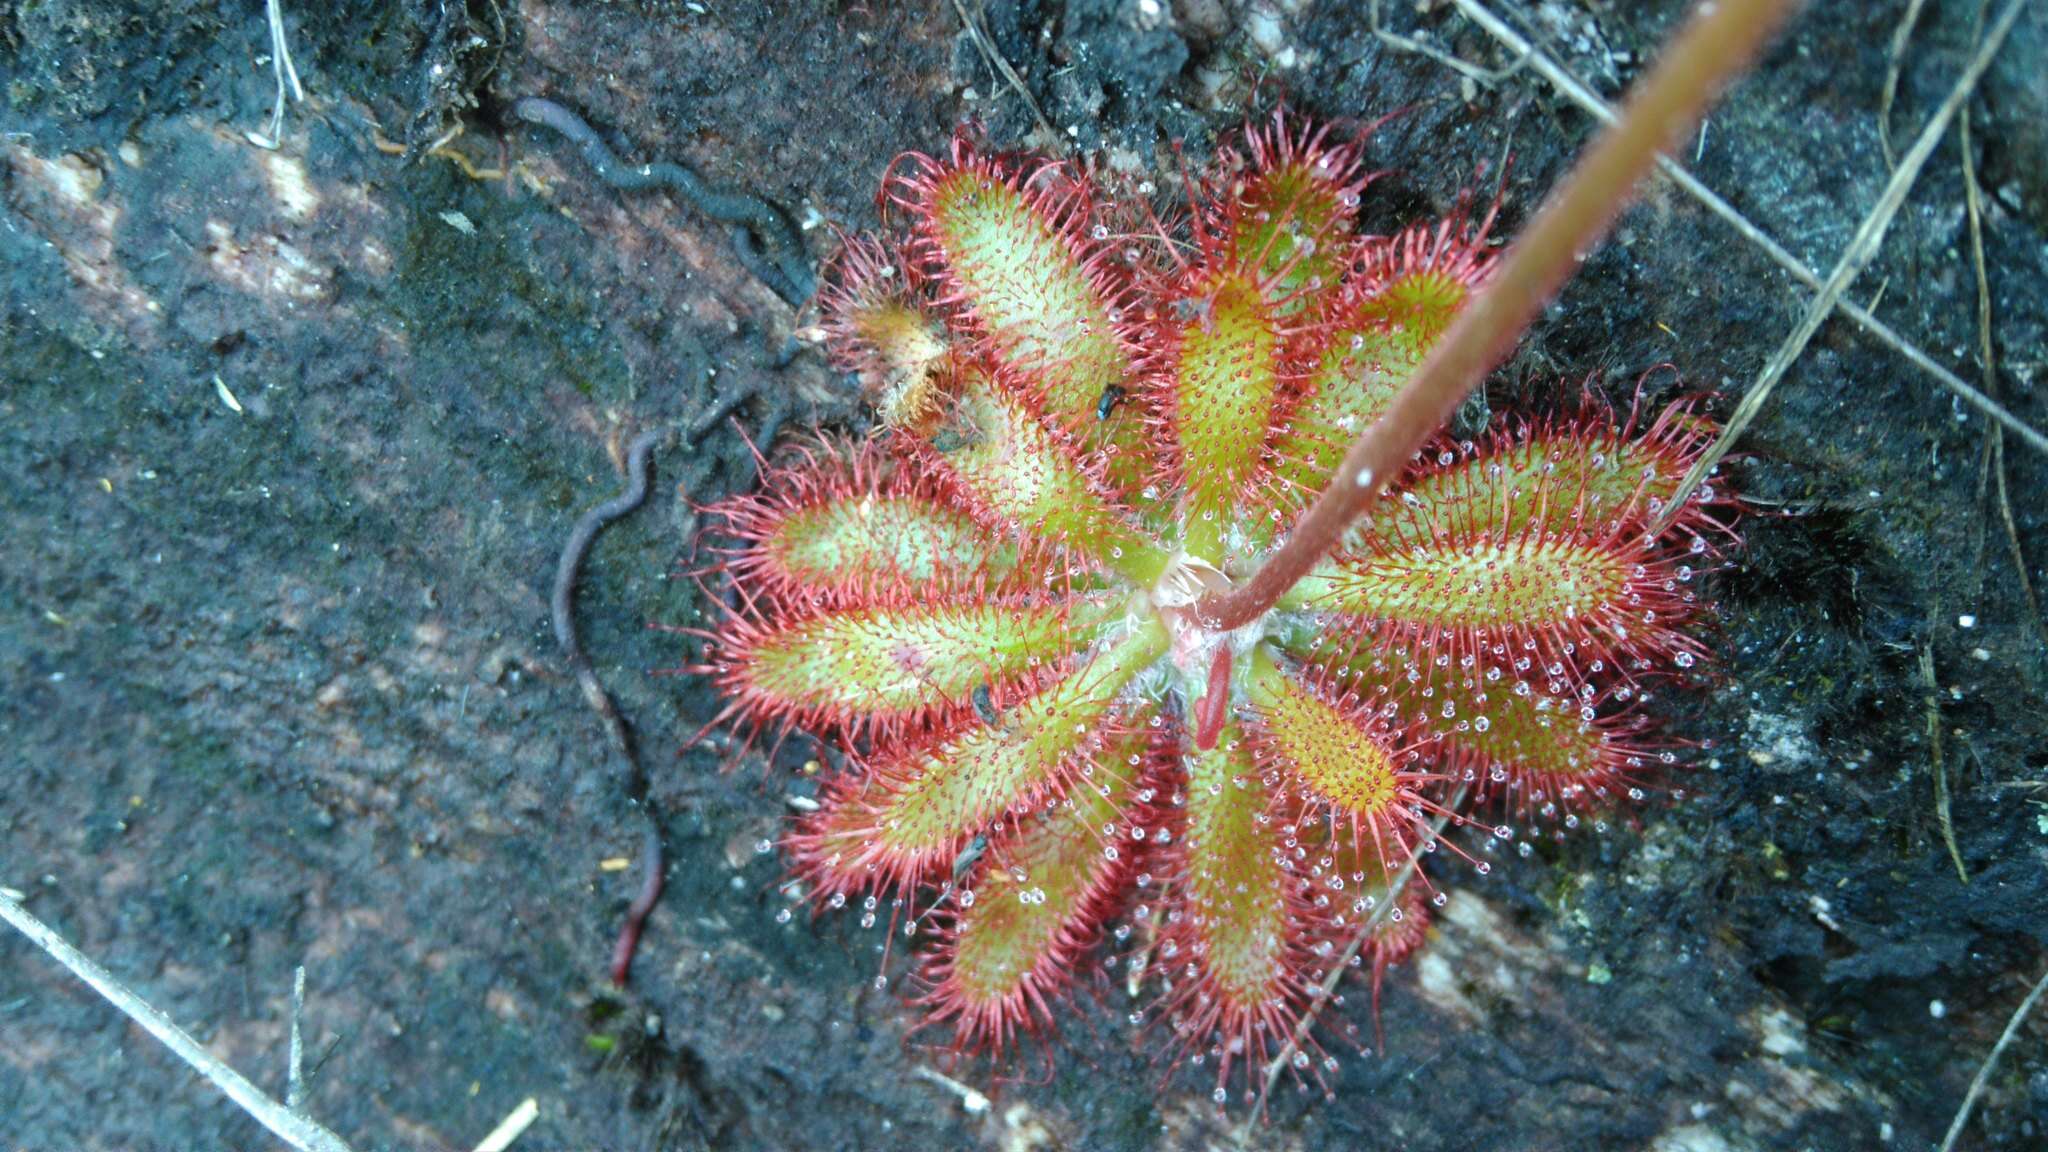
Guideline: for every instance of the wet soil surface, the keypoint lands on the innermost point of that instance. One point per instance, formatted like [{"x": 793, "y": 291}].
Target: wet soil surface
[{"x": 289, "y": 441}]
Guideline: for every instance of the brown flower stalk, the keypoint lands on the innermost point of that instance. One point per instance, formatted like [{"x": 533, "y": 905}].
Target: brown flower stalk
[{"x": 1719, "y": 42}]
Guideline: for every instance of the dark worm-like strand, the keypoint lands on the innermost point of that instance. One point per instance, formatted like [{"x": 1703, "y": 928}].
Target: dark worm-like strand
[
  {"x": 652, "y": 857},
  {"x": 722, "y": 405},
  {"x": 765, "y": 267},
  {"x": 654, "y": 870},
  {"x": 780, "y": 261}
]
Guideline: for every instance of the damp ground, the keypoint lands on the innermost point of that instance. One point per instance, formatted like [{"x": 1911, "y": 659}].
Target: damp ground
[{"x": 290, "y": 438}]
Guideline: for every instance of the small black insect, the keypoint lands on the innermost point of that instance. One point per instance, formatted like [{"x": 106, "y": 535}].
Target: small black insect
[
  {"x": 964, "y": 862},
  {"x": 1111, "y": 397},
  {"x": 984, "y": 704}
]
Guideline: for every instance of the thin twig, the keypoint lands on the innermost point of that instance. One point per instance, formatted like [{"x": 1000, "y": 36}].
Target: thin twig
[
  {"x": 972, "y": 1100},
  {"x": 1002, "y": 68},
  {"x": 1987, "y": 354},
  {"x": 1395, "y": 887},
  {"x": 1486, "y": 76},
  {"x": 1895, "y": 64},
  {"x": 2012, "y": 1029},
  {"x": 1941, "y": 803},
  {"x": 1578, "y": 92},
  {"x": 1716, "y": 43},
  {"x": 1862, "y": 248},
  {"x": 509, "y": 1129},
  {"x": 288, "y": 1125},
  {"x": 295, "y": 1078},
  {"x": 2012, "y": 540}
]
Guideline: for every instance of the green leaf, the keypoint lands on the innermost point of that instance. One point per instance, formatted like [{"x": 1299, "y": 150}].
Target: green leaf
[
  {"x": 1358, "y": 375},
  {"x": 1236, "y": 885},
  {"x": 1018, "y": 471},
  {"x": 1513, "y": 731},
  {"x": 1498, "y": 491},
  {"x": 1339, "y": 754},
  {"x": 1524, "y": 583},
  {"x": 1039, "y": 891},
  {"x": 916, "y": 807},
  {"x": 1013, "y": 262},
  {"x": 1413, "y": 310},
  {"x": 884, "y": 664},
  {"x": 1290, "y": 224},
  {"x": 879, "y": 541},
  {"x": 1222, "y": 405}
]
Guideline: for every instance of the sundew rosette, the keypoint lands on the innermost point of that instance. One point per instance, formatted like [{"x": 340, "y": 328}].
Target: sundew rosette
[{"x": 1093, "y": 413}]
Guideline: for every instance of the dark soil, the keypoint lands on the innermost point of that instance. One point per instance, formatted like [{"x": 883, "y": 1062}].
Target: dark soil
[{"x": 277, "y": 687}]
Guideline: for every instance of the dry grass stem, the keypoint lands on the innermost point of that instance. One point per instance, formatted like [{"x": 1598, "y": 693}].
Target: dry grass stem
[
  {"x": 295, "y": 1078},
  {"x": 972, "y": 1100},
  {"x": 2012, "y": 1028},
  {"x": 1941, "y": 801},
  {"x": 1002, "y": 68},
  {"x": 286, "y": 1124},
  {"x": 1895, "y": 64},
  {"x": 511, "y": 1127},
  {"x": 1486, "y": 76},
  {"x": 1863, "y": 247},
  {"x": 1578, "y": 92},
  {"x": 1987, "y": 355}
]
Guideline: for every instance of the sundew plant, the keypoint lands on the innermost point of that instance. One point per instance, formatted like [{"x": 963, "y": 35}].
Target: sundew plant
[{"x": 1115, "y": 672}]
